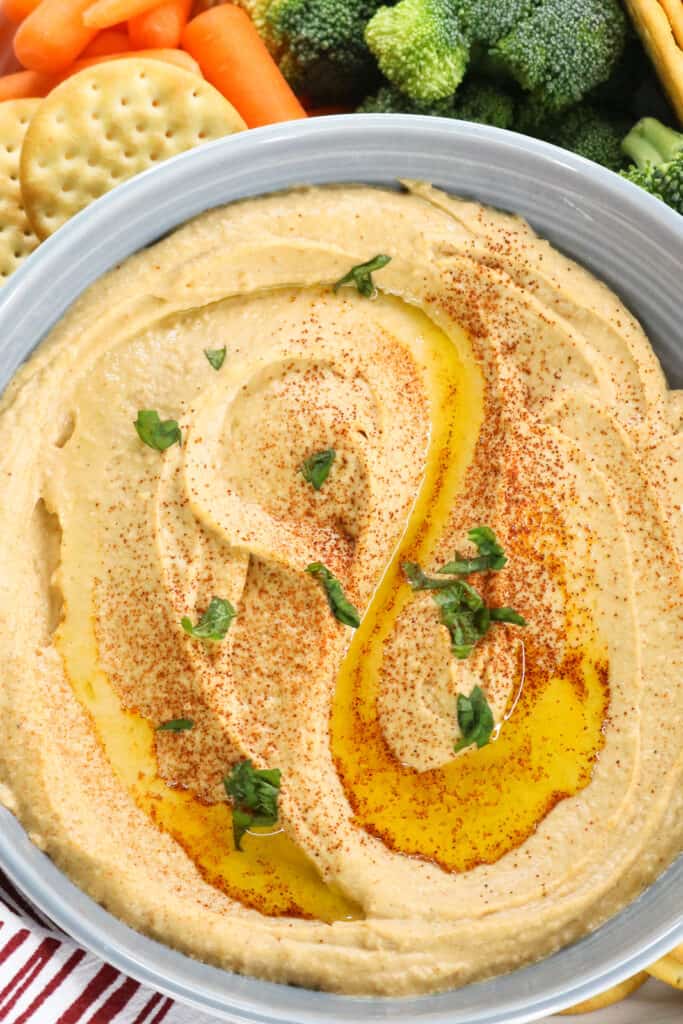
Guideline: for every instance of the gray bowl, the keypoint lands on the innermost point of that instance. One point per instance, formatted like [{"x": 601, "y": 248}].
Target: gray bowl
[{"x": 624, "y": 236}]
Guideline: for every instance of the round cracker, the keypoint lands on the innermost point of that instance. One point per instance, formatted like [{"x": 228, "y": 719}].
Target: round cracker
[
  {"x": 108, "y": 123},
  {"x": 17, "y": 238}
]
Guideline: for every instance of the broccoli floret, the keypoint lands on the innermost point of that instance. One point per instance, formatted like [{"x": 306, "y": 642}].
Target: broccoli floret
[
  {"x": 487, "y": 21},
  {"x": 389, "y": 100},
  {"x": 321, "y": 46},
  {"x": 484, "y": 103},
  {"x": 583, "y": 129},
  {"x": 564, "y": 48},
  {"x": 475, "y": 101},
  {"x": 420, "y": 47},
  {"x": 586, "y": 131},
  {"x": 657, "y": 151}
]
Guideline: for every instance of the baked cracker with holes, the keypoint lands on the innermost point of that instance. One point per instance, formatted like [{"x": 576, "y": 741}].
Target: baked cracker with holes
[
  {"x": 17, "y": 238},
  {"x": 108, "y": 123}
]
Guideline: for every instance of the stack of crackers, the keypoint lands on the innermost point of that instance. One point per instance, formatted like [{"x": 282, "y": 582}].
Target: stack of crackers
[{"x": 95, "y": 130}]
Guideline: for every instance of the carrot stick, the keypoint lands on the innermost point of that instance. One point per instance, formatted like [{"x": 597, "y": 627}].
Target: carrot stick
[
  {"x": 104, "y": 13},
  {"x": 177, "y": 57},
  {"x": 161, "y": 27},
  {"x": 235, "y": 60},
  {"x": 24, "y": 85},
  {"x": 108, "y": 41},
  {"x": 53, "y": 36},
  {"x": 17, "y": 10}
]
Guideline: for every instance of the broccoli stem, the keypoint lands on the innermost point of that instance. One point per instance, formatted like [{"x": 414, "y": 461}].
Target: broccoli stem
[{"x": 651, "y": 142}]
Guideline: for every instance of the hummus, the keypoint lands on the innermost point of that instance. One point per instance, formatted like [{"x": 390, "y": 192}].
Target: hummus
[{"x": 491, "y": 381}]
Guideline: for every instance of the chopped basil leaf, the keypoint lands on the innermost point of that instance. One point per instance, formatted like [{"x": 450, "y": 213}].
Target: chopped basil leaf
[
  {"x": 316, "y": 468},
  {"x": 361, "y": 276},
  {"x": 507, "y": 615},
  {"x": 214, "y": 623},
  {"x": 176, "y": 725},
  {"x": 420, "y": 581},
  {"x": 475, "y": 719},
  {"x": 463, "y": 610},
  {"x": 491, "y": 555},
  {"x": 157, "y": 433},
  {"x": 254, "y": 793},
  {"x": 216, "y": 356},
  {"x": 342, "y": 609}
]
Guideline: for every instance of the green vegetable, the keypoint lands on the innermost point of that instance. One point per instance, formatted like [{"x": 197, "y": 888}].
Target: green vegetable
[
  {"x": 254, "y": 793},
  {"x": 506, "y": 615},
  {"x": 420, "y": 47},
  {"x": 658, "y": 154},
  {"x": 214, "y": 623},
  {"x": 341, "y": 607},
  {"x": 176, "y": 725},
  {"x": 316, "y": 468},
  {"x": 389, "y": 100},
  {"x": 419, "y": 580},
  {"x": 321, "y": 47},
  {"x": 462, "y": 608},
  {"x": 464, "y": 614},
  {"x": 475, "y": 100},
  {"x": 583, "y": 129},
  {"x": 563, "y": 49},
  {"x": 592, "y": 135},
  {"x": 474, "y": 718},
  {"x": 361, "y": 276},
  {"x": 484, "y": 103},
  {"x": 157, "y": 433},
  {"x": 487, "y": 21},
  {"x": 491, "y": 555},
  {"x": 216, "y": 356}
]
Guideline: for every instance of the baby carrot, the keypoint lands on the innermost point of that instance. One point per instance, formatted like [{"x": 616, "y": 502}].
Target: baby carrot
[
  {"x": 16, "y": 10},
  {"x": 23, "y": 85},
  {"x": 104, "y": 13},
  {"x": 235, "y": 60},
  {"x": 161, "y": 27},
  {"x": 109, "y": 40},
  {"x": 53, "y": 35}
]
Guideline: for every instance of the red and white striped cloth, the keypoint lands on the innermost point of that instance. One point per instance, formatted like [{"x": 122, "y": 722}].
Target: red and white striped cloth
[{"x": 46, "y": 979}]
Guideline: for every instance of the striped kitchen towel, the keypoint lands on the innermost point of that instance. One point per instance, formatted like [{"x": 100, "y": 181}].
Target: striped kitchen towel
[{"x": 46, "y": 979}]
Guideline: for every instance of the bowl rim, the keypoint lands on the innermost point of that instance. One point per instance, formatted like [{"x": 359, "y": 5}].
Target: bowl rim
[{"x": 70, "y": 253}]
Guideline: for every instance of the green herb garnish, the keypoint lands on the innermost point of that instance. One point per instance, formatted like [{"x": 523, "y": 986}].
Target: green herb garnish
[
  {"x": 463, "y": 610},
  {"x": 316, "y": 468},
  {"x": 491, "y": 555},
  {"x": 216, "y": 356},
  {"x": 254, "y": 793},
  {"x": 157, "y": 433},
  {"x": 342, "y": 609},
  {"x": 176, "y": 725},
  {"x": 475, "y": 719},
  {"x": 361, "y": 276},
  {"x": 214, "y": 623},
  {"x": 507, "y": 615}
]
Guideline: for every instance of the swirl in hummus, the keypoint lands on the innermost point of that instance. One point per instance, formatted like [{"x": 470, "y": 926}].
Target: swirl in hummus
[{"x": 490, "y": 381}]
